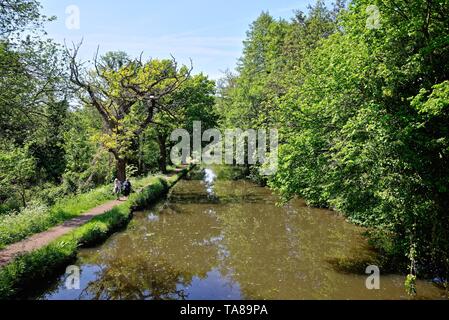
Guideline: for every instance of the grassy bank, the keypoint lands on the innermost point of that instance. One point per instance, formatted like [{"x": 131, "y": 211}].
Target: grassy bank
[
  {"x": 41, "y": 264},
  {"x": 38, "y": 218}
]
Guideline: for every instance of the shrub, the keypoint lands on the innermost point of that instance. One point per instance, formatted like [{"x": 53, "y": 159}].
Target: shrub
[{"x": 15, "y": 226}]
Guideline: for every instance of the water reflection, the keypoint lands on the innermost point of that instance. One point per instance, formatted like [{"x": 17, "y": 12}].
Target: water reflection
[
  {"x": 222, "y": 239},
  {"x": 209, "y": 184}
]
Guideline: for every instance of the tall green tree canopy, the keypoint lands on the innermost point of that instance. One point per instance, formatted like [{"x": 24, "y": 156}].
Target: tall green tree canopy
[
  {"x": 363, "y": 116},
  {"x": 128, "y": 94}
]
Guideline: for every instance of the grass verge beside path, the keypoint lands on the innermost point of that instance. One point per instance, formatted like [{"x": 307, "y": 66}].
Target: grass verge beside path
[
  {"x": 41, "y": 264},
  {"x": 36, "y": 219}
]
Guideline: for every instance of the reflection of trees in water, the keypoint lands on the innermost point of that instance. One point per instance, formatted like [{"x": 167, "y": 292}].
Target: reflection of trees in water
[
  {"x": 124, "y": 279},
  {"x": 242, "y": 192},
  {"x": 280, "y": 253},
  {"x": 156, "y": 260},
  {"x": 271, "y": 252}
]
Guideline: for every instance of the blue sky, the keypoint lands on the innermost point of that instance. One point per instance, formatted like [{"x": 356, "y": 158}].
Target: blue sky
[{"x": 210, "y": 32}]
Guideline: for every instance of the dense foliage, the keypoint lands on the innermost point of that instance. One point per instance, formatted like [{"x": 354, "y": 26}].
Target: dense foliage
[
  {"x": 35, "y": 267},
  {"x": 358, "y": 92},
  {"x": 68, "y": 127},
  {"x": 363, "y": 115}
]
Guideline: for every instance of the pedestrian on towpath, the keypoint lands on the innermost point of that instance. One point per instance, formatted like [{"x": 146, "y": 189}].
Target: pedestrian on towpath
[{"x": 117, "y": 188}]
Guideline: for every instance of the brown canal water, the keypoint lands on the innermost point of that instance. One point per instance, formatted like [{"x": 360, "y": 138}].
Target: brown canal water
[{"x": 217, "y": 239}]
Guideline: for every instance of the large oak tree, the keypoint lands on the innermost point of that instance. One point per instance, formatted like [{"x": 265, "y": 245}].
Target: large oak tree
[{"x": 128, "y": 94}]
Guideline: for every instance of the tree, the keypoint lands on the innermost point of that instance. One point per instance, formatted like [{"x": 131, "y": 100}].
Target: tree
[
  {"x": 194, "y": 101},
  {"x": 274, "y": 51},
  {"x": 32, "y": 73},
  {"x": 273, "y": 55},
  {"x": 18, "y": 15},
  {"x": 33, "y": 91},
  {"x": 365, "y": 131},
  {"x": 16, "y": 171},
  {"x": 127, "y": 95},
  {"x": 362, "y": 114}
]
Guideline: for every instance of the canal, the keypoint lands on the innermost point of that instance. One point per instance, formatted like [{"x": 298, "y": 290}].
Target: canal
[{"x": 219, "y": 238}]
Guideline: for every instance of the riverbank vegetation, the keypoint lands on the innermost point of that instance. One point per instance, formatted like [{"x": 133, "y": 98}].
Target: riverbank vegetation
[
  {"x": 26, "y": 271},
  {"x": 358, "y": 91},
  {"x": 16, "y": 226},
  {"x": 360, "y": 95},
  {"x": 68, "y": 128}
]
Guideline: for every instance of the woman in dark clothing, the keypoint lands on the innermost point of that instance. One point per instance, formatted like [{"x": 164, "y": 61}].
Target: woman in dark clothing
[{"x": 126, "y": 188}]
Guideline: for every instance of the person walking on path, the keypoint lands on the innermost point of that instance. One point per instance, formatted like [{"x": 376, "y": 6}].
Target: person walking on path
[
  {"x": 126, "y": 188},
  {"x": 117, "y": 188}
]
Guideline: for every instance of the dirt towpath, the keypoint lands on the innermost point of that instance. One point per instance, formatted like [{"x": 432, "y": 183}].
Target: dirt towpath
[{"x": 42, "y": 239}]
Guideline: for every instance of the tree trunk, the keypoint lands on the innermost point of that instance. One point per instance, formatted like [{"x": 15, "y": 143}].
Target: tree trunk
[
  {"x": 121, "y": 169},
  {"x": 22, "y": 195},
  {"x": 162, "y": 141},
  {"x": 140, "y": 160}
]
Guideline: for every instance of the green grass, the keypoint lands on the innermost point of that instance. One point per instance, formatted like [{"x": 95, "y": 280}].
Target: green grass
[
  {"x": 40, "y": 264},
  {"x": 15, "y": 227}
]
